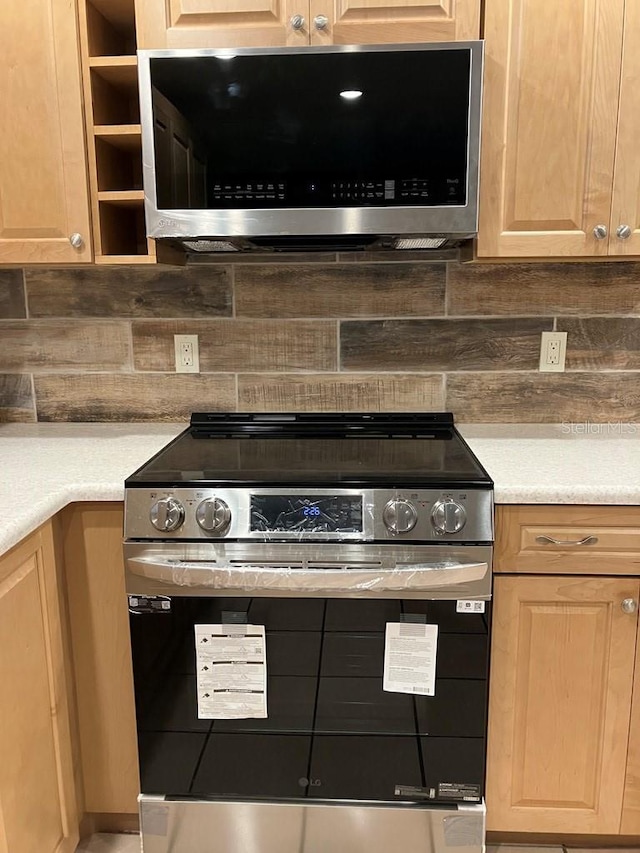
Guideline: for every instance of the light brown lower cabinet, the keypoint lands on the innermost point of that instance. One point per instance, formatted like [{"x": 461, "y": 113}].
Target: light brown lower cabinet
[
  {"x": 564, "y": 711},
  {"x": 562, "y": 677},
  {"x": 38, "y": 811},
  {"x": 99, "y": 628},
  {"x": 630, "y": 824}
]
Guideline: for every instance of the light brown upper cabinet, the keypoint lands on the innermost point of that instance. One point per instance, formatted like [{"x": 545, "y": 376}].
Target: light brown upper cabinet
[
  {"x": 44, "y": 204},
  {"x": 625, "y": 208},
  {"x": 560, "y": 168},
  {"x": 248, "y": 23}
]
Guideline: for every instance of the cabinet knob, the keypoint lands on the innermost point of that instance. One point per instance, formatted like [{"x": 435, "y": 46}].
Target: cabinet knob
[
  {"x": 623, "y": 232},
  {"x": 600, "y": 232},
  {"x": 297, "y": 22},
  {"x": 77, "y": 240},
  {"x": 321, "y": 22},
  {"x": 629, "y": 605}
]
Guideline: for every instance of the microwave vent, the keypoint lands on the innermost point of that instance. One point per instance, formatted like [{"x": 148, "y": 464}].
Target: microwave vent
[
  {"x": 210, "y": 246},
  {"x": 419, "y": 242}
]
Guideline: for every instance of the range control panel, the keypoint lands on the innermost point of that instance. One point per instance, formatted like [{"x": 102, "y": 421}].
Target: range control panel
[{"x": 457, "y": 515}]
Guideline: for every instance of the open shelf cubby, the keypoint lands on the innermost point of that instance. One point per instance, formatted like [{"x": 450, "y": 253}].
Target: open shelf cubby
[
  {"x": 115, "y": 96},
  {"x": 118, "y": 161},
  {"x": 122, "y": 229},
  {"x": 111, "y": 27},
  {"x": 114, "y": 141}
]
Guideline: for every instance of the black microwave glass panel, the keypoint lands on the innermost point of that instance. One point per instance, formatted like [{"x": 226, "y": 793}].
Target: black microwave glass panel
[
  {"x": 327, "y": 514},
  {"x": 306, "y": 129}
]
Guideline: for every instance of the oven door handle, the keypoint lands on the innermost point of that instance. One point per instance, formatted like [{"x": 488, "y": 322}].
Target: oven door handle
[{"x": 255, "y": 577}]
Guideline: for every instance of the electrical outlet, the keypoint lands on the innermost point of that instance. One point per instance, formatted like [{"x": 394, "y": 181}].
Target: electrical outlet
[
  {"x": 187, "y": 356},
  {"x": 553, "y": 348}
]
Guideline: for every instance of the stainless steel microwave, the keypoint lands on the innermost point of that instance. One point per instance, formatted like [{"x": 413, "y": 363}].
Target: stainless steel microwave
[{"x": 315, "y": 147}]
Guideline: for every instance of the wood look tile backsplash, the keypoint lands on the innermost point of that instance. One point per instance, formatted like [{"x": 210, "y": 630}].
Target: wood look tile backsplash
[
  {"x": 321, "y": 333},
  {"x": 341, "y": 290},
  {"x": 12, "y": 302},
  {"x": 238, "y": 345},
  {"x": 544, "y": 397},
  {"x": 16, "y": 399},
  {"x": 36, "y": 345},
  {"x": 544, "y": 289},
  {"x": 448, "y": 344},
  {"x": 130, "y": 292},
  {"x": 340, "y": 392},
  {"x": 602, "y": 343},
  {"x": 131, "y": 397}
]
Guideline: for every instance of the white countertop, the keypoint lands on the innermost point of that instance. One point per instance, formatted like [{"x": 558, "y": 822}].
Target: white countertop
[
  {"x": 560, "y": 463},
  {"x": 43, "y": 467}
]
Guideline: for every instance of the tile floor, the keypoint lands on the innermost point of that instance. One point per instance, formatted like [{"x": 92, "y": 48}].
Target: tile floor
[{"x": 103, "y": 842}]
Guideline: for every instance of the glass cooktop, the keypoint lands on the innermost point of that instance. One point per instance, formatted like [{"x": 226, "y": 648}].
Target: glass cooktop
[{"x": 351, "y": 450}]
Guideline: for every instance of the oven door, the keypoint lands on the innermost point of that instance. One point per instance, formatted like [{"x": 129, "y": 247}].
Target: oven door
[{"x": 336, "y": 753}]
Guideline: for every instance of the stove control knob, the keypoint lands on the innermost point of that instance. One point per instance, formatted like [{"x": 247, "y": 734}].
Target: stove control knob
[
  {"x": 213, "y": 515},
  {"x": 399, "y": 516},
  {"x": 167, "y": 514},
  {"x": 448, "y": 516}
]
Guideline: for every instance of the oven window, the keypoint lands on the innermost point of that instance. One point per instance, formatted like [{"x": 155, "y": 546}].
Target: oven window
[{"x": 331, "y": 731}]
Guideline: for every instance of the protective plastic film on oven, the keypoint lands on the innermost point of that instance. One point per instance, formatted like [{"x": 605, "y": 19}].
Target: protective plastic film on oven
[{"x": 225, "y": 574}]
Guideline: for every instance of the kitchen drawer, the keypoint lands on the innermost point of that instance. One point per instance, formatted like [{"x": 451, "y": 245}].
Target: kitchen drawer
[{"x": 588, "y": 540}]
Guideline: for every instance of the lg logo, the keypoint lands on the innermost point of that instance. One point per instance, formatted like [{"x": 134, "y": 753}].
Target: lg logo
[{"x": 312, "y": 783}]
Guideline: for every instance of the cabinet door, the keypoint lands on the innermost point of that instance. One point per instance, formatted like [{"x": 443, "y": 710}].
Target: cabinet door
[
  {"x": 630, "y": 824},
  {"x": 43, "y": 171},
  {"x": 626, "y": 192},
  {"x": 102, "y": 656},
  {"x": 560, "y": 695},
  {"x": 37, "y": 798},
  {"x": 219, "y": 23},
  {"x": 550, "y": 113},
  {"x": 381, "y": 21}
]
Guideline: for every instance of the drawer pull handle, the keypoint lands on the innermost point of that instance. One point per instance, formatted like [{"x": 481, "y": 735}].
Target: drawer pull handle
[
  {"x": 549, "y": 540},
  {"x": 629, "y": 605}
]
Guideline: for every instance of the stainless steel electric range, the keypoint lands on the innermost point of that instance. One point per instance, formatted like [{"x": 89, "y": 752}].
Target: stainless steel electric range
[{"x": 309, "y": 602}]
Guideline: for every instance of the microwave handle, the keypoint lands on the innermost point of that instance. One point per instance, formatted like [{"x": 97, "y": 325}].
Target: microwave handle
[{"x": 256, "y": 578}]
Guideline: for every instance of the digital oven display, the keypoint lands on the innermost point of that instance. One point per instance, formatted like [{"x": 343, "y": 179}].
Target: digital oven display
[{"x": 308, "y": 513}]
